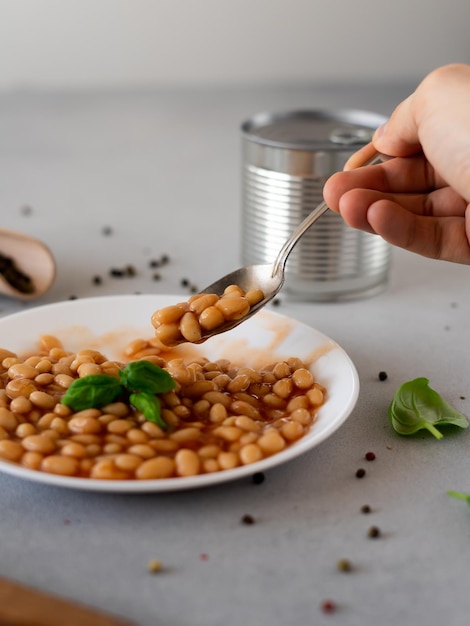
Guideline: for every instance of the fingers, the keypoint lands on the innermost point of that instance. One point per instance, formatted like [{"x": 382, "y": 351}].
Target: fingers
[
  {"x": 400, "y": 175},
  {"x": 399, "y": 137},
  {"x": 433, "y": 225},
  {"x": 440, "y": 203},
  {"x": 433, "y": 237},
  {"x": 360, "y": 157},
  {"x": 436, "y": 120}
]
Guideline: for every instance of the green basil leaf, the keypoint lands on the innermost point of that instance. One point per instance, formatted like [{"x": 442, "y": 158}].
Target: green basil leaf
[
  {"x": 146, "y": 376},
  {"x": 149, "y": 405},
  {"x": 460, "y": 496},
  {"x": 92, "y": 391},
  {"x": 415, "y": 406}
]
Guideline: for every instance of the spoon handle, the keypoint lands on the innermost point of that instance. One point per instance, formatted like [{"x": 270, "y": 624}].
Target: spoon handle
[{"x": 317, "y": 212}]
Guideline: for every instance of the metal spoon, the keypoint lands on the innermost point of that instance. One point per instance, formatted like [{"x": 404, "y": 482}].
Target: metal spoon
[
  {"x": 27, "y": 266},
  {"x": 268, "y": 277}
]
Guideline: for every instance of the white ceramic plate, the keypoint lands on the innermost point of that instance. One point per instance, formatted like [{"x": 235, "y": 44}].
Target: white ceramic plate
[{"x": 109, "y": 323}]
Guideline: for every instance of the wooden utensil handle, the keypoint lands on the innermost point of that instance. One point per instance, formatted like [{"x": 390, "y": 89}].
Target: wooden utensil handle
[{"x": 24, "y": 606}]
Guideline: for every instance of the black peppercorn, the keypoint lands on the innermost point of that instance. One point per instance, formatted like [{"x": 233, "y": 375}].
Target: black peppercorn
[
  {"x": 373, "y": 532},
  {"x": 258, "y": 478}
]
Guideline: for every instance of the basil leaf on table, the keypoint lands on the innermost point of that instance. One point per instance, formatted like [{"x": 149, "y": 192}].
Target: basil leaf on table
[
  {"x": 460, "y": 496},
  {"x": 92, "y": 391},
  {"x": 149, "y": 405},
  {"x": 146, "y": 376},
  {"x": 415, "y": 406}
]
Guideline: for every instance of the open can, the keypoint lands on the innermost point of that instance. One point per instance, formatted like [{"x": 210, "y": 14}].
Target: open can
[{"x": 287, "y": 158}]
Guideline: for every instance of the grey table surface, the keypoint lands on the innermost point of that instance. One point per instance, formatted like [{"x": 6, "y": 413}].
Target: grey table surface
[{"x": 162, "y": 169}]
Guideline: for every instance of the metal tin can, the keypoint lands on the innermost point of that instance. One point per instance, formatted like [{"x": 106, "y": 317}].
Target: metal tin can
[{"x": 287, "y": 158}]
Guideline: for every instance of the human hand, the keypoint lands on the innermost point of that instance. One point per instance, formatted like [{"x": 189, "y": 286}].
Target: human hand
[{"x": 418, "y": 200}]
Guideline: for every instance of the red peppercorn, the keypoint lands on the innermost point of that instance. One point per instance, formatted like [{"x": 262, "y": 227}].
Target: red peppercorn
[
  {"x": 328, "y": 606},
  {"x": 370, "y": 456}
]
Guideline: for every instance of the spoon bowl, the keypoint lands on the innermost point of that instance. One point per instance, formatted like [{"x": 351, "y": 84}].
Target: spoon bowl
[
  {"x": 27, "y": 266},
  {"x": 268, "y": 277}
]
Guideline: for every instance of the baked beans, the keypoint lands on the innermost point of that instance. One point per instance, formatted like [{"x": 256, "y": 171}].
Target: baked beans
[
  {"x": 203, "y": 313},
  {"x": 218, "y": 416}
]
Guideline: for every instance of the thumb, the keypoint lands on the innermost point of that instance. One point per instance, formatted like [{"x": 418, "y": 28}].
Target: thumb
[{"x": 398, "y": 137}]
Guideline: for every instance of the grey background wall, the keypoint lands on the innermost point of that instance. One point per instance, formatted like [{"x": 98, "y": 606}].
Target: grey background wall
[{"x": 84, "y": 44}]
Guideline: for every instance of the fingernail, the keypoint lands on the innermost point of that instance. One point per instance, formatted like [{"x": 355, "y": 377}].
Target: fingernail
[{"x": 381, "y": 130}]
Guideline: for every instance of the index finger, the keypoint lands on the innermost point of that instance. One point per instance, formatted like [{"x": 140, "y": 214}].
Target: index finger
[
  {"x": 360, "y": 157},
  {"x": 412, "y": 174}
]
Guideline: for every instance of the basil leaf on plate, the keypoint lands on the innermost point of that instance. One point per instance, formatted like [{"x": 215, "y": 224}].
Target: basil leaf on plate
[
  {"x": 92, "y": 391},
  {"x": 146, "y": 376},
  {"x": 149, "y": 405}
]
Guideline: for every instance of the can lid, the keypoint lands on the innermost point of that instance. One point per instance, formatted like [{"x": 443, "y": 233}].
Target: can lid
[{"x": 310, "y": 129}]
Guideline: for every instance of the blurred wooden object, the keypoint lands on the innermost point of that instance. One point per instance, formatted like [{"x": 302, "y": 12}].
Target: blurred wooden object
[
  {"x": 29, "y": 257},
  {"x": 24, "y": 606}
]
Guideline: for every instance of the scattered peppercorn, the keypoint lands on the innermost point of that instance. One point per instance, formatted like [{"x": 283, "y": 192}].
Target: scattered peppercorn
[
  {"x": 154, "y": 566},
  {"x": 165, "y": 259},
  {"x": 193, "y": 289},
  {"x": 373, "y": 532},
  {"x": 328, "y": 606},
  {"x": 370, "y": 456},
  {"x": 383, "y": 375},
  {"x": 184, "y": 282},
  {"x": 156, "y": 277},
  {"x": 14, "y": 276},
  {"x": 276, "y": 302},
  {"x": 97, "y": 280},
  {"x": 360, "y": 473},
  {"x": 153, "y": 264},
  {"x": 258, "y": 478},
  {"x": 365, "y": 509},
  {"x": 130, "y": 270},
  {"x": 107, "y": 230},
  {"x": 26, "y": 210},
  {"x": 248, "y": 519},
  {"x": 73, "y": 297},
  {"x": 115, "y": 273},
  {"x": 344, "y": 565}
]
